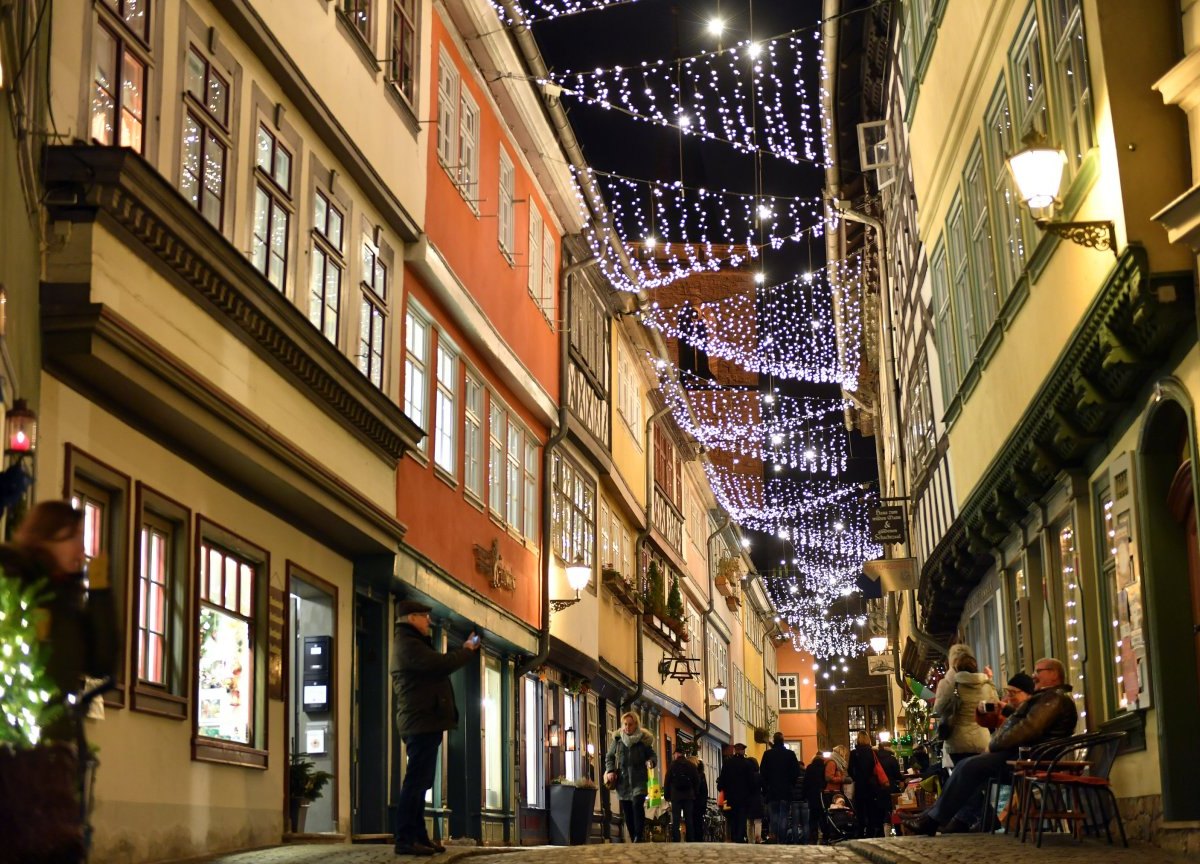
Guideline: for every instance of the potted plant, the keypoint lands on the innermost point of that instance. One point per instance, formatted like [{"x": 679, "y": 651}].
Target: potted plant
[
  {"x": 571, "y": 806},
  {"x": 305, "y": 785}
]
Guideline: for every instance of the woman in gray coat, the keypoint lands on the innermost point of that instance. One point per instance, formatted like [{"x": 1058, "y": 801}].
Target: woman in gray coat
[
  {"x": 967, "y": 737},
  {"x": 627, "y": 769}
]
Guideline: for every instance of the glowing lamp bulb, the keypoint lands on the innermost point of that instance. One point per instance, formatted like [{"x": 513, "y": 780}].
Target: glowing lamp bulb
[
  {"x": 777, "y": 439},
  {"x": 754, "y": 50},
  {"x": 760, "y": 278},
  {"x": 715, "y": 26}
]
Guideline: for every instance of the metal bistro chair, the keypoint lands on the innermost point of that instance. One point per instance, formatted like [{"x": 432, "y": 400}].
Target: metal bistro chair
[
  {"x": 1080, "y": 796},
  {"x": 1018, "y": 784}
]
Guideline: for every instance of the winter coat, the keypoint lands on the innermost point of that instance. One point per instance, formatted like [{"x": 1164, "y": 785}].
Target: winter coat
[
  {"x": 754, "y": 801},
  {"x": 421, "y": 682},
  {"x": 814, "y": 781},
  {"x": 736, "y": 779},
  {"x": 81, "y": 627},
  {"x": 1044, "y": 716},
  {"x": 682, "y": 781},
  {"x": 967, "y": 736},
  {"x": 862, "y": 769},
  {"x": 892, "y": 766},
  {"x": 779, "y": 770},
  {"x": 629, "y": 762},
  {"x": 835, "y": 773}
]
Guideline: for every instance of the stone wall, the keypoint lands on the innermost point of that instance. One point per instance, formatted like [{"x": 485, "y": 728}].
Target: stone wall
[{"x": 1143, "y": 820}]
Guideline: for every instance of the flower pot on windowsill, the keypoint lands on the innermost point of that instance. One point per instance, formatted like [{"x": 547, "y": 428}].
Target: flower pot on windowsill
[
  {"x": 724, "y": 586},
  {"x": 733, "y": 601},
  {"x": 298, "y": 814}
]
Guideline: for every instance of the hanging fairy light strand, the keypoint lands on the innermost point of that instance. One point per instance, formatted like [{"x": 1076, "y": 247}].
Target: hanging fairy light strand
[
  {"x": 669, "y": 231},
  {"x": 786, "y": 330},
  {"x": 533, "y": 11},
  {"x": 710, "y": 96}
]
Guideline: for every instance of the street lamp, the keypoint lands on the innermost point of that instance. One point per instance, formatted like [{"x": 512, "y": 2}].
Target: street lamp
[
  {"x": 1037, "y": 170},
  {"x": 552, "y": 734},
  {"x": 579, "y": 575},
  {"x": 20, "y": 430},
  {"x": 718, "y": 694},
  {"x": 878, "y": 644},
  {"x": 571, "y": 744}
]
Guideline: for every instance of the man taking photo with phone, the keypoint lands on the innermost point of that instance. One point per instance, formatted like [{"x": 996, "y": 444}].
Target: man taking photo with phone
[{"x": 425, "y": 709}]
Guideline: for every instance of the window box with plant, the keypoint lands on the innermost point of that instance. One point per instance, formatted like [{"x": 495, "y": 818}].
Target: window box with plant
[
  {"x": 571, "y": 806},
  {"x": 729, "y": 576},
  {"x": 622, "y": 589},
  {"x": 305, "y": 785}
]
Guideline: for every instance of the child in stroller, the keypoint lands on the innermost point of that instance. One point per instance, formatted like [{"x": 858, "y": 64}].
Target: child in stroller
[{"x": 838, "y": 821}]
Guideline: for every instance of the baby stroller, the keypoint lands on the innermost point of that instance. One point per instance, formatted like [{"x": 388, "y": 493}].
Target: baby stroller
[{"x": 838, "y": 820}]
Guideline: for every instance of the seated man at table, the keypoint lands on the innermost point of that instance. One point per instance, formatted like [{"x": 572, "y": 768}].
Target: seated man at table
[{"x": 1048, "y": 714}]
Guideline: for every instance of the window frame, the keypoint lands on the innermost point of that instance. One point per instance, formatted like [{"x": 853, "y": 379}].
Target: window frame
[
  {"x": 943, "y": 323},
  {"x": 474, "y": 481},
  {"x": 449, "y": 83},
  {"x": 506, "y": 217},
  {"x": 223, "y": 130},
  {"x": 360, "y": 15},
  {"x": 961, "y": 288},
  {"x": 1074, "y": 107},
  {"x": 374, "y": 300},
  {"x": 412, "y": 17},
  {"x": 469, "y": 136},
  {"x": 1008, "y": 216},
  {"x": 126, "y": 42},
  {"x": 81, "y": 470},
  {"x": 573, "y": 527},
  {"x": 533, "y": 252},
  {"x": 205, "y": 749},
  {"x": 415, "y": 319},
  {"x": 977, "y": 221},
  {"x": 445, "y": 401},
  {"x": 283, "y": 199},
  {"x": 171, "y": 698}
]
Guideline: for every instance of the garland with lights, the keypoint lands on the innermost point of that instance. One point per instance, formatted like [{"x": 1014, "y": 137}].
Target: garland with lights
[
  {"x": 786, "y": 330},
  {"x": 533, "y": 11},
  {"x": 750, "y": 93},
  {"x": 26, "y": 688},
  {"x": 669, "y": 231}
]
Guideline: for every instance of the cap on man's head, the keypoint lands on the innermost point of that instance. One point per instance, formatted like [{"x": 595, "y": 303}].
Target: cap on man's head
[
  {"x": 1022, "y": 681},
  {"x": 412, "y": 607},
  {"x": 739, "y": 746}
]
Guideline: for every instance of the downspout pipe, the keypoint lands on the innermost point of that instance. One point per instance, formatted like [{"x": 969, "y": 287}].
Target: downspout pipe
[
  {"x": 547, "y": 463},
  {"x": 642, "y": 538}
]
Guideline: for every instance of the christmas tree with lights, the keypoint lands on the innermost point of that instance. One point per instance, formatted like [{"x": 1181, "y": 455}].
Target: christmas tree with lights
[{"x": 25, "y": 686}]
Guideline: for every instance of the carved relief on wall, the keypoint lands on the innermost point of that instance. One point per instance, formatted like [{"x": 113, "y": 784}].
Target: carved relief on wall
[{"x": 491, "y": 564}]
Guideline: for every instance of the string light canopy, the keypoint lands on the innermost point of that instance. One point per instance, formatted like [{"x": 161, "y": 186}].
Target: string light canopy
[
  {"x": 784, "y": 330},
  {"x": 533, "y": 11},
  {"x": 751, "y": 96},
  {"x": 669, "y": 231}
]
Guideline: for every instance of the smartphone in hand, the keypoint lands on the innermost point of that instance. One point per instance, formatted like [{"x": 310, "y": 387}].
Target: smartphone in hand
[{"x": 474, "y": 640}]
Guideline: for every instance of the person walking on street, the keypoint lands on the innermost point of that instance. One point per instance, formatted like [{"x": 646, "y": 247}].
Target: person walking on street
[
  {"x": 627, "y": 769},
  {"x": 737, "y": 782},
  {"x": 779, "y": 772},
  {"x": 425, "y": 709},
  {"x": 867, "y": 790},
  {"x": 680, "y": 787},
  {"x": 799, "y": 814},
  {"x": 814, "y": 786},
  {"x": 699, "y": 804}
]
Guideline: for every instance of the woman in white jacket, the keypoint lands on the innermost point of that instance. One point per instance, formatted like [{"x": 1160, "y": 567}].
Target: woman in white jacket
[{"x": 967, "y": 736}]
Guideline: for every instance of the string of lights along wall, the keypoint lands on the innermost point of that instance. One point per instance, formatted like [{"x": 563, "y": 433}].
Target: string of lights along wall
[
  {"x": 533, "y": 11},
  {"x": 751, "y": 96}
]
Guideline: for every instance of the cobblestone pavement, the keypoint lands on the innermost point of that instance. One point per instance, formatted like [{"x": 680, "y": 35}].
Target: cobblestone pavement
[{"x": 953, "y": 849}]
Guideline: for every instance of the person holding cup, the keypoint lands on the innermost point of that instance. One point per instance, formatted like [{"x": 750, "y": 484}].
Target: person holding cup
[{"x": 958, "y": 694}]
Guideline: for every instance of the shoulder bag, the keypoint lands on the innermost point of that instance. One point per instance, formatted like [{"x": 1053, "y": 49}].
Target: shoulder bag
[
  {"x": 881, "y": 776},
  {"x": 945, "y": 727}
]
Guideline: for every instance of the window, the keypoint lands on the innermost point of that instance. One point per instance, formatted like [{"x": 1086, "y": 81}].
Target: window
[
  {"x": 943, "y": 326},
  {"x": 629, "y": 399},
  {"x": 493, "y": 733},
  {"x": 444, "y": 419},
  {"x": 160, "y": 623},
  {"x": 1029, "y": 84},
  {"x": 325, "y": 287},
  {"x": 856, "y": 720},
  {"x": 530, "y": 514},
  {"x": 1006, "y": 213},
  {"x": 546, "y": 298},
  {"x": 512, "y": 485},
  {"x": 1071, "y": 73},
  {"x": 101, "y": 494},
  {"x": 272, "y": 207},
  {"x": 473, "y": 437},
  {"x": 371, "y": 322},
  {"x": 205, "y": 146},
  {"x": 983, "y": 269},
  {"x": 228, "y": 581},
  {"x": 571, "y": 722},
  {"x": 960, "y": 290},
  {"x": 448, "y": 81},
  {"x": 574, "y": 512},
  {"x": 1125, "y": 638},
  {"x": 589, "y": 333},
  {"x": 921, "y": 433},
  {"x": 416, "y": 360},
  {"x": 496, "y": 439},
  {"x": 1075, "y": 653},
  {"x": 506, "y": 204},
  {"x": 533, "y": 739},
  {"x": 358, "y": 13},
  {"x": 534, "y": 276},
  {"x": 404, "y": 48},
  {"x": 120, "y": 60},
  {"x": 468, "y": 148}
]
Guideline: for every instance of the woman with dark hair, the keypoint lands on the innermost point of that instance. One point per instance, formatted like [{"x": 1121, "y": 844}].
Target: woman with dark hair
[{"x": 80, "y": 622}]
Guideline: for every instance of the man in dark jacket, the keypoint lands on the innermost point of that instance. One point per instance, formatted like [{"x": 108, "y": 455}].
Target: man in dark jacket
[
  {"x": 680, "y": 786},
  {"x": 1048, "y": 714},
  {"x": 891, "y": 765},
  {"x": 736, "y": 780},
  {"x": 779, "y": 771},
  {"x": 424, "y": 710},
  {"x": 814, "y": 785}
]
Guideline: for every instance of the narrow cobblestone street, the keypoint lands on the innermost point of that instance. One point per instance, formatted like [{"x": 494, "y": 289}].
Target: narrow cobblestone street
[{"x": 957, "y": 849}]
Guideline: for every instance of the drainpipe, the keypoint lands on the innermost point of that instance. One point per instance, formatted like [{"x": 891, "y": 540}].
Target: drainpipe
[
  {"x": 642, "y": 538},
  {"x": 712, "y": 606},
  {"x": 547, "y": 463}
]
